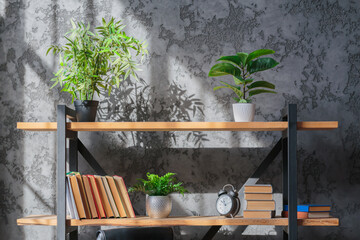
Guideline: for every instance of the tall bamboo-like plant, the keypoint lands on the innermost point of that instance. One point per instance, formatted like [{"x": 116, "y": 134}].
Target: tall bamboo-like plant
[
  {"x": 241, "y": 66},
  {"x": 91, "y": 61}
]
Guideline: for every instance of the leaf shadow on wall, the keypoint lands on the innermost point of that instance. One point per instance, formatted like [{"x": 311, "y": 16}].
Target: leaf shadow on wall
[
  {"x": 145, "y": 151},
  {"x": 139, "y": 102}
]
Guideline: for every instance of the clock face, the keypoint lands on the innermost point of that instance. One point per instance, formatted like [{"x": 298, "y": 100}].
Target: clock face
[{"x": 224, "y": 204}]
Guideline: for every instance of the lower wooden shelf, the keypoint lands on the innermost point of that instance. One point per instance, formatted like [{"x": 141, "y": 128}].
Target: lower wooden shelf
[{"x": 141, "y": 221}]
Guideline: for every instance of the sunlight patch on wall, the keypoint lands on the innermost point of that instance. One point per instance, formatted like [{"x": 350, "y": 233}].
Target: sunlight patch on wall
[{"x": 2, "y": 8}]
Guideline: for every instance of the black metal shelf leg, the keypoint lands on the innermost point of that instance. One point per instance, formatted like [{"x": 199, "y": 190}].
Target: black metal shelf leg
[
  {"x": 292, "y": 171},
  {"x": 285, "y": 195},
  {"x": 73, "y": 166},
  {"x": 61, "y": 171}
]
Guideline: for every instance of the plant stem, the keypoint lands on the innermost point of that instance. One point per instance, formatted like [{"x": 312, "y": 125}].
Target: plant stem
[{"x": 244, "y": 77}]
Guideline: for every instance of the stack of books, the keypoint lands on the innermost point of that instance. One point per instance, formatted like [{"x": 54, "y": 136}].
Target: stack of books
[
  {"x": 310, "y": 211},
  {"x": 92, "y": 196},
  {"x": 260, "y": 203}
]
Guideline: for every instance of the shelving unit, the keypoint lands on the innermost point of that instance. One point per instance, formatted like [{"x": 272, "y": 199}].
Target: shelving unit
[{"x": 287, "y": 145}]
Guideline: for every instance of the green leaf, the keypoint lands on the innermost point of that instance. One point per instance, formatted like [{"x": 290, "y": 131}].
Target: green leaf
[
  {"x": 127, "y": 74},
  {"x": 236, "y": 60},
  {"x": 258, "y": 91},
  {"x": 237, "y": 91},
  {"x": 243, "y": 56},
  {"x": 56, "y": 82},
  {"x": 109, "y": 90},
  {"x": 261, "y": 64},
  {"x": 49, "y": 50},
  {"x": 73, "y": 24},
  {"x": 249, "y": 80},
  {"x": 263, "y": 84},
  {"x": 101, "y": 85},
  {"x": 219, "y": 87},
  {"x": 221, "y": 69},
  {"x": 259, "y": 53},
  {"x": 238, "y": 80},
  {"x": 236, "y": 99},
  {"x": 244, "y": 101}
]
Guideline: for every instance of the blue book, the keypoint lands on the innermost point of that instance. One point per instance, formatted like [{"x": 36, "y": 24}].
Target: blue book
[{"x": 310, "y": 208}]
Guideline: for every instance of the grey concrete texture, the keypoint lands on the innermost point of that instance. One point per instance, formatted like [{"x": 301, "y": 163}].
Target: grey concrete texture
[{"x": 316, "y": 43}]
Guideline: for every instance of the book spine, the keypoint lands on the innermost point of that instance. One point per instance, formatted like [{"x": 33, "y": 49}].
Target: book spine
[
  {"x": 97, "y": 192},
  {"x": 76, "y": 213},
  {"x": 93, "y": 196},
  {"x": 131, "y": 209},
  {"x": 69, "y": 205}
]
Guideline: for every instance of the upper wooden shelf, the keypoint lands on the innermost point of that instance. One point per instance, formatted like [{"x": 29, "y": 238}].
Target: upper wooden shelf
[
  {"x": 50, "y": 220},
  {"x": 177, "y": 126}
]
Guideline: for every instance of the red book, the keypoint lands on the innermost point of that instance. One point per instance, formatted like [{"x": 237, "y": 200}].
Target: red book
[
  {"x": 300, "y": 215},
  {"x": 96, "y": 195},
  {"x": 91, "y": 197}
]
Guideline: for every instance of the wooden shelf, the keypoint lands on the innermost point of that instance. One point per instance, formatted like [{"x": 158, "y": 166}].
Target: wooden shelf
[
  {"x": 177, "y": 126},
  {"x": 50, "y": 220}
]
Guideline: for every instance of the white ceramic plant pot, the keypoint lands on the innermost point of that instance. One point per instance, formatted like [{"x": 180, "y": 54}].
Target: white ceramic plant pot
[
  {"x": 158, "y": 206},
  {"x": 244, "y": 112}
]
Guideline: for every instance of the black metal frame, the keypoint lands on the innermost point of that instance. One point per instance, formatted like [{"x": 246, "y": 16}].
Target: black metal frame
[
  {"x": 75, "y": 146},
  {"x": 287, "y": 144}
]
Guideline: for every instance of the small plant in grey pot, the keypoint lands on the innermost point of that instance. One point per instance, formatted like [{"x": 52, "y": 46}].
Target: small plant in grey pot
[
  {"x": 91, "y": 62},
  {"x": 157, "y": 190},
  {"x": 242, "y": 66}
]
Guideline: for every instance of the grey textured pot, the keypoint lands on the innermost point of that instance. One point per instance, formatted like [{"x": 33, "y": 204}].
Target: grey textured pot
[{"x": 158, "y": 206}]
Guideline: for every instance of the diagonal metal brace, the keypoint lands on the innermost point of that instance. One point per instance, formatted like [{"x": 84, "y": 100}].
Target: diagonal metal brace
[
  {"x": 268, "y": 160},
  {"x": 90, "y": 158},
  {"x": 211, "y": 232}
]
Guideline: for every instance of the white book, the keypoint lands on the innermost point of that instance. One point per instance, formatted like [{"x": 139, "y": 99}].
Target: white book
[
  {"x": 70, "y": 201},
  {"x": 319, "y": 215}
]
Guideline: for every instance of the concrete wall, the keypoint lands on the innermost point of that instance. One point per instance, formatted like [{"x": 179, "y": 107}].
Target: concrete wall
[{"x": 316, "y": 43}]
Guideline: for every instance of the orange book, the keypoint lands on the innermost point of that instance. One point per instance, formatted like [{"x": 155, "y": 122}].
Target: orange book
[
  {"x": 96, "y": 194},
  {"x": 104, "y": 199},
  {"x": 116, "y": 195},
  {"x": 259, "y": 188},
  {"x": 260, "y": 205},
  {"x": 83, "y": 196},
  {"x": 314, "y": 208},
  {"x": 110, "y": 197},
  {"x": 77, "y": 196},
  {"x": 258, "y": 196},
  {"x": 89, "y": 195},
  {"x": 124, "y": 195},
  {"x": 258, "y": 214},
  {"x": 300, "y": 215}
]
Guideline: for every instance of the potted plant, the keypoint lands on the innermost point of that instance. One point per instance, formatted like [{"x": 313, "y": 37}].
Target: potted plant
[
  {"x": 157, "y": 190},
  {"x": 91, "y": 62},
  {"x": 242, "y": 66}
]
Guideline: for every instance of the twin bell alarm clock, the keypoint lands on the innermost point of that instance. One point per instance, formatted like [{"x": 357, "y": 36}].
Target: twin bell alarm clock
[{"x": 228, "y": 202}]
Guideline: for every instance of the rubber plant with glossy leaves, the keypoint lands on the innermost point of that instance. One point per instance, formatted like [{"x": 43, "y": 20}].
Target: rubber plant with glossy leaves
[{"x": 241, "y": 67}]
